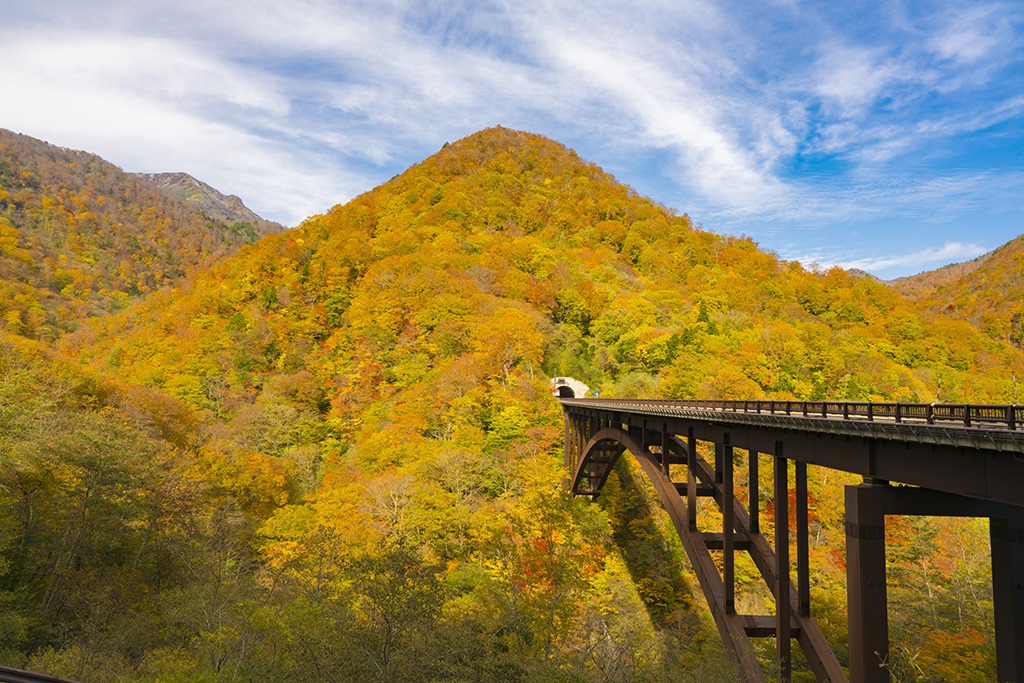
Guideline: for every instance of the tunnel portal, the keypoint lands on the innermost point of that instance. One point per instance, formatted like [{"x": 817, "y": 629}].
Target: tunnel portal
[{"x": 568, "y": 387}]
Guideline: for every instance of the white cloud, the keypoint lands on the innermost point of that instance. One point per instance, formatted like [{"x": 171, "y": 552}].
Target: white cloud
[
  {"x": 852, "y": 78},
  {"x": 656, "y": 90},
  {"x": 973, "y": 33},
  {"x": 169, "y": 74},
  {"x": 951, "y": 252},
  {"x": 150, "y": 104},
  {"x": 887, "y": 266}
]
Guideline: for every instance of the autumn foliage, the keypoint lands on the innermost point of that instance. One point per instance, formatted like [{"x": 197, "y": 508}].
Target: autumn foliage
[
  {"x": 335, "y": 455},
  {"x": 80, "y": 238}
]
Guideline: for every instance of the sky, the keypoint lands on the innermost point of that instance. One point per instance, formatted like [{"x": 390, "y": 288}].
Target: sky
[{"x": 884, "y": 135}]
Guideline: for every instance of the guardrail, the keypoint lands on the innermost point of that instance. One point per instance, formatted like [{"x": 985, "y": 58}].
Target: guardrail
[
  {"x": 9, "y": 675},
  {"x": 958, "y": 414}
]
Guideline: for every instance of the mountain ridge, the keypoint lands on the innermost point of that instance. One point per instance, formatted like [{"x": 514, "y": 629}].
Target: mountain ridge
[
  {"x": 920, "y": 285},
  {"x": 211, "y": 201},
  {"x": 563, "y": 205},
  {"x": 79, "y": 237},
  {"x": 987, "y": 291}
]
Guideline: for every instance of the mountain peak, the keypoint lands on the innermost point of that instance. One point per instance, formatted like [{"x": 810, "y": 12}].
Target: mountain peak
[{"x": 210, "y": 201}]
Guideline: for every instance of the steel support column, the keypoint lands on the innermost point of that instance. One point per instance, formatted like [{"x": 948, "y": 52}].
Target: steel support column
[
  {"x": 1007, "y": 535},
  {"x": 865, "y": 584},
  {"x": 570, "y": 466},
  {"x": 754, "y": 487},
  {"x": 580, "y": 442},
  {"x": 691, "y": 481},
  {"x": 664, "y": 450},
  {"x": 783, "y": 645},
  {"x": 803, "y": 570},
  {"x": 718, "y": 464},
  {"x": 728, "y": 527}
]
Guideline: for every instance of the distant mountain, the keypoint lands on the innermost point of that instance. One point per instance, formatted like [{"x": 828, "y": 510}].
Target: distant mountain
[
  {"x": 921, "y": 285},
  {"x": 987, "y": 291},
  {"x": 862, "y": 273},
  {"x": 227, "y": 208},
  {"x": 79, "y": 237}
]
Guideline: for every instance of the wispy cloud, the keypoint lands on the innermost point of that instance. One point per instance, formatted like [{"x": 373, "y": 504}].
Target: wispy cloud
[
  {"x": 657, "y": 90},
  {"x": 769, "y": 117},
  {"x": 849, "y": 80},
  {"x": 971, "y": 34},
  {"x": 917, "y": 261}
]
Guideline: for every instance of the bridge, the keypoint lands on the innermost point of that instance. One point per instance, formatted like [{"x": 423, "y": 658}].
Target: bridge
[{"x": 915, "y": 459}]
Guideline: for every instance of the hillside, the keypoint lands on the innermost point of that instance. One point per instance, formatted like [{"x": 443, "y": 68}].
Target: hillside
[
  {"x": 593, "y": 281},
  {"x": 358, "y": 456},
  {"x": 79, "y": 237},
  {"x": 988, "y": 291}
]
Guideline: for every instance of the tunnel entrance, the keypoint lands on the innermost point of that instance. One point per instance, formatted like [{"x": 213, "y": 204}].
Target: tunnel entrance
[{"x": 567, "y": 387}]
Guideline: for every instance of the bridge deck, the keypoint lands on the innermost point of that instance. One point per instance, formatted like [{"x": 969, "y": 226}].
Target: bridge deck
[{"x": 972, "y": 450}]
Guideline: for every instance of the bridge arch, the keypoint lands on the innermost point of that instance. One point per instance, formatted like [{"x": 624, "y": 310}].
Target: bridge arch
[
  {"x": 598, "y": 458},
  {"x": 595, "y": 441}
]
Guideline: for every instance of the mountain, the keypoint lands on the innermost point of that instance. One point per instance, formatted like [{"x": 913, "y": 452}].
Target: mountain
[
  {"x": 226, "y": 208},
  {"x": 987, "y": 291},
  {"x": 352, "y": 458},
  {"x": 621, "y": 293},
  {"x": 923, "y": 284},
  {"x": 79, "y": 237}
]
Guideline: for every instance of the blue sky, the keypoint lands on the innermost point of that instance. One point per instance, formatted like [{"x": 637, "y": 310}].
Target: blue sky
[{"x": 882, "y": 135}]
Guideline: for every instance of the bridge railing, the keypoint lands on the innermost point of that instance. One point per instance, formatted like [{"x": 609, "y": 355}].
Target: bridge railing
[
  {"x": 9, "y": 675},
  {"x": 958, "y": 414}
]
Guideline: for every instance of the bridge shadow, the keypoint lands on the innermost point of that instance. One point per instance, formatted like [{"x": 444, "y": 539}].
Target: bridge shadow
[{"x": 655, "y": 559}]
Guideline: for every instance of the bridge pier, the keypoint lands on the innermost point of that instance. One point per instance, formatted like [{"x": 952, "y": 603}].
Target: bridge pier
[
  {"x": 868, "y": 616},
  {"x": 866, "y": 508},
  {"x": 783, "y": 610},
  {"x": 1007, "y": 537}
]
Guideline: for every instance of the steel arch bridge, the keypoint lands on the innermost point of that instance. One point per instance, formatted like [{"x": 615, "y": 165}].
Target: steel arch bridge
[{"x": 916, "y": 459}]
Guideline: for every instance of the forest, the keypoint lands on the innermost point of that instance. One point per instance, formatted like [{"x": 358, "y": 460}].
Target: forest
[{"x": 332, "y": 454}]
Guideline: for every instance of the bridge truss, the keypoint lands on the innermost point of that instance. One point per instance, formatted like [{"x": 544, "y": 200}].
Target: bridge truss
[{"x": 947, "y": 460}]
